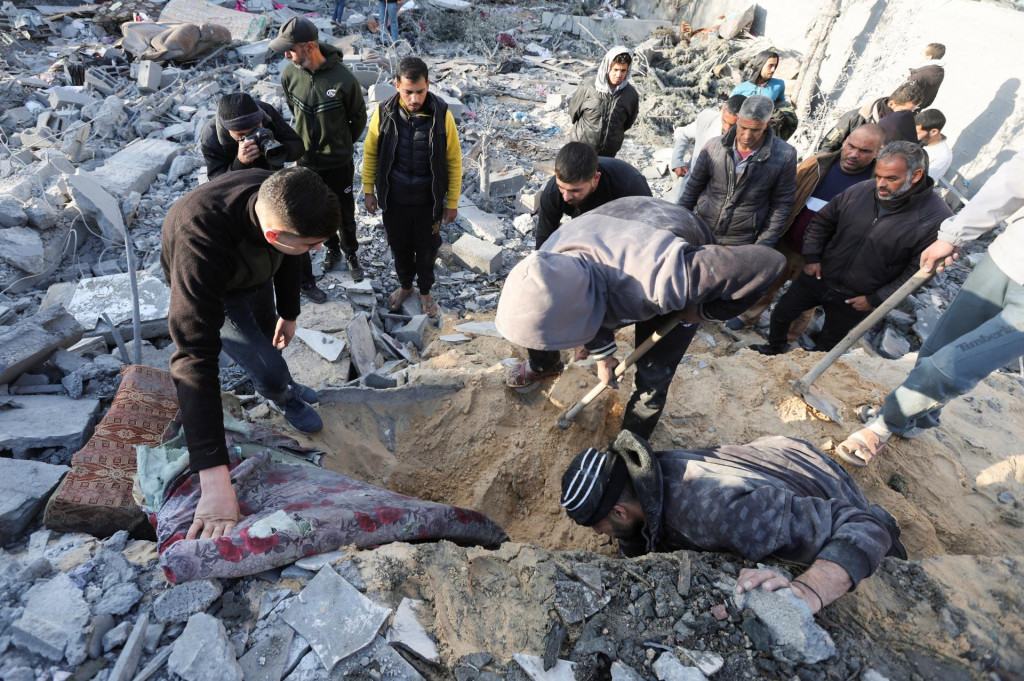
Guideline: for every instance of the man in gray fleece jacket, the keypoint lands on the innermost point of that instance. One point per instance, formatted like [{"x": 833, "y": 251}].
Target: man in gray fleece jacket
[
  {"x": 635, "y": 260},
  {"x": 776, "y": 496}
]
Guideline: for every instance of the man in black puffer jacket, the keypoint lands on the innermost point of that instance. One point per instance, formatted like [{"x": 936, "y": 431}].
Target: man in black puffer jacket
[
  {"x": 238, "y": 115},
  {"x": 862, "y": 246},
  {"x": 743, "y": 182}
]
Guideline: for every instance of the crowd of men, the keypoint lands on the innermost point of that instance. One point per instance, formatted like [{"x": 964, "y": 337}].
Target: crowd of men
[{"x": 844, "y": 228}]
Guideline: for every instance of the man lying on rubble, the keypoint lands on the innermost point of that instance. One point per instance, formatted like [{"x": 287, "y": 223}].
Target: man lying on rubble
[
  {"x": 231, "y": 252},
  {"x": 776, "y": 496},
  {"x": 583, "y": 181},
  {"x": 635, "y": 261},
  {"x": 247, "y": 134}
]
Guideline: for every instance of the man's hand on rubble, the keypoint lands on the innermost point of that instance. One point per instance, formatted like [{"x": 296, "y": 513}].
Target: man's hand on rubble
[
  {"x": 283, "y": 333},
  {"x": 860, "y": 303},
  {"x": 449, "y": 215},
  {"x": 822, "y": 583},
  {"x": 217, "y": 512},
  {"x": 248, "y": 152},
  {"x": 941, "y": 253},
  {"x": 813, "y": 269},
  {"x": 681, "y": 171},
  {"x": 606, "y": 371},
  {"x": 370, "y": 201}
]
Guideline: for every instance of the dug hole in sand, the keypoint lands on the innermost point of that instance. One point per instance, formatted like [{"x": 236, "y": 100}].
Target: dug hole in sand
[{"x": 498, "y": 451}]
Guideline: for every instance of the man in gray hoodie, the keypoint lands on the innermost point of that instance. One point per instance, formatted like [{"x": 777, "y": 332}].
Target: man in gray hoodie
[
  {"x": 635, "y": 260},
  {"x": 603, "y": 109},
  {"x": 776, "y": 496}
]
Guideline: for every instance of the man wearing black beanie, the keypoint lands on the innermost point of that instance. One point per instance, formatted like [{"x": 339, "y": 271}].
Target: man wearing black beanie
[{"x": 776, "y": 496}]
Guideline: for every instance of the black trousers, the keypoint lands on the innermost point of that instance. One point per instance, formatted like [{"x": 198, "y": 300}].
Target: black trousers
[
  {"x": 339, "y": 180},
  {"x": 654, "y": 372},
  {"x": 807, "y": 293},
  {"x": 415, "y": 238}
]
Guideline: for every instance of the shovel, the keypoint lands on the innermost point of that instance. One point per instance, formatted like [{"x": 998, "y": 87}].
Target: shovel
[
  {"x": 803, "y": 385},
  {"x": 568, "y": 417}
]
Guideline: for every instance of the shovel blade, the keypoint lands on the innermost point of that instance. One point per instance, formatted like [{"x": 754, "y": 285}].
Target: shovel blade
[{"x": 818, "y": 402}]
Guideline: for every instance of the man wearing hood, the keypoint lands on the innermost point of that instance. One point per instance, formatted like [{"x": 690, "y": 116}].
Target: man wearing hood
[
  {"x": 776, "y": 496},
  {"x": 635, "y": 260},
  {"x": 223, "y": 140},
  {"x": 329, "y": 113},
  {"x": 603, "y": 110},
  {"x": 743, "y": 182},
  {"x": 896, "y": 110},
  {"x": 928, "y": 76},
  {"x": 862, "y": 246}
]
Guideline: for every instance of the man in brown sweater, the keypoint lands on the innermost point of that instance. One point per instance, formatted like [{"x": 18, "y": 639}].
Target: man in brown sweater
[{"x": 230, "y": 253}]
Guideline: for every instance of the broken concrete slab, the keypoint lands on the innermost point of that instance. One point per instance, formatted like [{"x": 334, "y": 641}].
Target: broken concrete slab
[
  {"x": 22, "y": 247},
  {"x": 113, "y": 295},
  {"x": 791, "y": 624},
  {"x": 486, "y": 226},
  {"x": 414, "y": 330},
  {"x": 68, "y": 423},
  {"x": 128, "y": 660},
  {"x": 384, "y": 663},
  {"x": 323, "y": 344},
  {"x": 477, "y": 254},
  {"x": 180, "y": 602},
  {"x": 408, "y": 633},
  {"x": 454, "y": 338},
  {"x": 25, "y": 485},
  {"x": 529, "y": 201},
  {"x": 534, "y": 668},
  {"x": 254, "y": 54},
  {"x": 268, "y": 659},
  {"x": 97, "y": 204},
  {"x": 134, "y": 168},
  {"x": 381, "y": 91},
  {"x": 54, "y": 621},
  {"x": 41, "y": 214},
  {"x": 12, "y": 213},
  {"x": 360, "y": 343},
  {"x": 479, "y": 329},
  {"x": 334, "y": 617},
  {"x": 507, "y": 183},
  {"x": 203, "y": 652}
]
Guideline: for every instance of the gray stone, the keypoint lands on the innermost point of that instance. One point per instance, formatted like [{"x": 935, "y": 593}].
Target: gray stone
[
  {"x": 97, "y": 204},
  {"x": 534, "y": 668},
  {"x": 395, "y": 397},
  {"x": 25, "y": 486},
  {"x": 334, "y": 617},
  {"x": 112, "y": 295},
  {"x": 117, "y": 636},
  {"x": 28, "y": 343},
  {"x": 668, "y": 668},
  {"x": 40, "y": 421},
  {"x": 180, "y": 602},
  {"x": 381, "y": 91},
  {"x": 135, "y": 167},
  {"x": 54, "y": 621},
  {"x": 68, "y": 361},
  {"x": 483, "y": 225},
  {"x": 622, "y": 672},
  {"x": 12, "y": 214},
  {"x": 22, "y": 247},
  {"x": 360, "y": 343},
  {"x": 413, "y": 330},
  {"x": 295, "y": 572},
  {"x": 454, "y": 338},
  {"x": 507, "y": 183},
  {"x": 41, "y": 214},
  {"x": 267, "y": 660},
  {"x": 376, "y": 379},
  {"x": 406, "y": 632},
  {"x": 524, "y": 224},
  {"x": 893, "y": 345},
  {"x": 709, "y": 663},
  {"x": 575, "y": 601},
  {"x": 390, "y": 666},
  {"x": 118, "y": 599},
  {"x": 480, "y": 329},
  {"x": 478, "y": 255},
  {"x": 101, "y": 624},
  {"x": 203, "y": 652},
  {"x": 791, "y": 624}
]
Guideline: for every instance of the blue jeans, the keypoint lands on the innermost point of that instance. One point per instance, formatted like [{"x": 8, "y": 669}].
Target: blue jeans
[
  {"x": 388, "y": 12},
  {"x": 249, "y": 324},
  {"x": 339, "y": 9},
  {"x": 982, "y": 330}
]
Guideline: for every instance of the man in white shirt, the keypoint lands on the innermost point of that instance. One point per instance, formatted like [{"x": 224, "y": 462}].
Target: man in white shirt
[
  {"x": 929, "y": 133},
  {"x": 709, "y": 123}
]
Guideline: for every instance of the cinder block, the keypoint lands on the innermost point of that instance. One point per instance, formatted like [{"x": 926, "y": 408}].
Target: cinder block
[
  {"x": 61, "y": 97},
  {"x": 508, "y": 183},
  {"x": 477, "y": 254},
  {"x": 366, "y": 75},
  {"x": 149, "y": 76},
  {"x": 381, "y": 91},
  {"x": 454, "y": 105},
  {"x": 99, "y": 80},
  {"x": 254, "y": 54},
  {"x": 530, "y": 202}
]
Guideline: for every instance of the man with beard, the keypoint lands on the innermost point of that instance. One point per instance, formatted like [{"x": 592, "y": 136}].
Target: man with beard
[
  {"x": 776, "y": 496},
  {"x": 818, "y": 179},
  {"x": 862, "y": 246},
  {"x": 709, "y": 124},
  {"x": 583, "y": 181}
]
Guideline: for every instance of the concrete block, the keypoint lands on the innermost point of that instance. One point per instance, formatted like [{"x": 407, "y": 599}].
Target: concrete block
[
  {"x": 530, "y": 202},
  {"x": 181, "y": 602},
  {"x": 479, "y": 329},
  {"x": 203, "y": 652},
  {"x": 22, "y": 247},
  {"x": 61, "y": 97},
  {"x": 454, "y": 105},
  {"x": 366, "y": 75},
  {"x": 12, "y": 213},
  {"x": 29, "y": 342},
  {"x": 486, "y": 226},
  {"x": 254, "y": 54},
  {"x": 54, "y": 622},
  {"x": 268, "y": 659},
  {"x": 334, "y": 617},
  {"x": 149, "y": 76},
  {"x": 323, "y": 344},
  {"x": 361, "y": 346},
  {"x": 40, "y": 421},
  {"x": 381, "y": 91},
  {"x": 99, "y": 80},
  {"x": 25, "y": 486},
  {"x": 136, "y": 166},
  {"x": 413, "y": 331},
  {"x": 112, "y": 294},
  {"x": 408, "y": 633},
  {"x": 128, "y": 660},
  {"x": 507, "y": 183},
  {"x": 478, "y": 255}
]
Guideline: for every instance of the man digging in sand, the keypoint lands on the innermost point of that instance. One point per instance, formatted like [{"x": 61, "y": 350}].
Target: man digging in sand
[
  {"x": 776, "y": 496},
  {"x": 981, "y": 330},
  {"x": 636, "y": 261}
]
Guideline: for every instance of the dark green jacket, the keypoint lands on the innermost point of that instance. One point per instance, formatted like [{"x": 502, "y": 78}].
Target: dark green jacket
[{"x": 328, "y": 109}]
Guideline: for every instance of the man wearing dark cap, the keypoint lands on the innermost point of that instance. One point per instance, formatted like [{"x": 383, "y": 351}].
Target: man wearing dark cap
[
  {"x": 633, "y": 261},
  {"x": 224, "y": 142},
  {"x": 776, "y": 496},
  {"x": 329, "y": 114}
]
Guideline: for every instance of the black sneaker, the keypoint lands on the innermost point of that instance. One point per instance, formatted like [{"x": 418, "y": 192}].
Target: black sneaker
[
  {"x": 314, "y": 293},
  {"x": 354, "y": 268},
  {"x": 734, "y": 324},
  {"x": 771, "y": 348},
  {"x": 300, "y": 415},
  {"x": 331, "y": 259},
  {"x": 307, "y": 394}
]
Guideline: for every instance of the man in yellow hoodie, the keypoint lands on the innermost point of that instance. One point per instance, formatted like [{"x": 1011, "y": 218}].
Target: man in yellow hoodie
[{"x": 412, "y": 171}]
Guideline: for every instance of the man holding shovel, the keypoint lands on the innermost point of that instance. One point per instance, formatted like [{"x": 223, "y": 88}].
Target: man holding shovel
[{"x": 635, "y": 260}]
